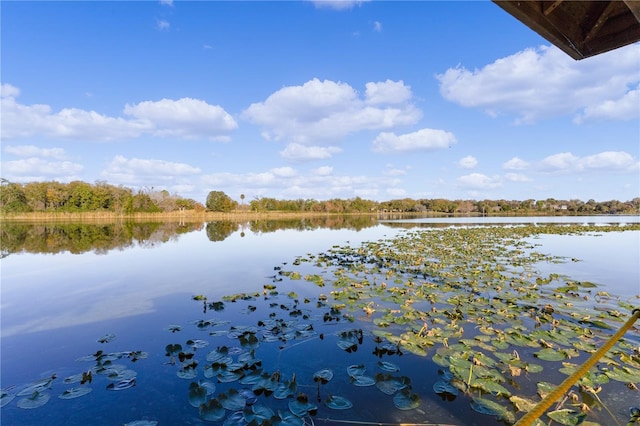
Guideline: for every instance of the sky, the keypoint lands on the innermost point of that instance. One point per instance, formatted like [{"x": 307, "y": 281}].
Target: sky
[{"x": 313, "y": 100}]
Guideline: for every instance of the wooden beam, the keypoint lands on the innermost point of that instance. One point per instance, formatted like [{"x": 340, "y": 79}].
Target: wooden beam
[
  {"x": 547, "y": 10},
  {"x": 592, "y": 25}
]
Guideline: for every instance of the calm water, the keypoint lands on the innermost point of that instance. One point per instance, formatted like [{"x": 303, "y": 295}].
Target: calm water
[{"x": 62, "y": 290}]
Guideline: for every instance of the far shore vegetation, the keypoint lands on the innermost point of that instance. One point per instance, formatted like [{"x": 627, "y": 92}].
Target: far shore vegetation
[{"x": 76, "y": 200}]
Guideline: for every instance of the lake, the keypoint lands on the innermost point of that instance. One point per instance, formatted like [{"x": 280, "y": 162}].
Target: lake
[{"x": 366, "y": 318}]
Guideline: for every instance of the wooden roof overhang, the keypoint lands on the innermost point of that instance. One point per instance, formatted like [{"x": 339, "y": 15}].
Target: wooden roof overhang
[{"x": 580, "y": 28}]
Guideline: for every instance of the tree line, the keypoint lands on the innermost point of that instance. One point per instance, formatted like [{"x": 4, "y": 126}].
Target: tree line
[{"x": 78, "y": 196}]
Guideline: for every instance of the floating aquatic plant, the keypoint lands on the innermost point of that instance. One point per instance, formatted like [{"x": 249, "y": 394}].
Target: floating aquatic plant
[
  {"x": 76, "y": 392},
  {"x": 35, "y": 400}
]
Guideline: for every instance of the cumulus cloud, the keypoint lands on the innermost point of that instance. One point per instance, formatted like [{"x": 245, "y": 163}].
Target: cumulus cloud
[
  {"x": 40, "y": 169},
  {"x": 318, "y": 183},
  {"x": 186, "y": 117},
  {"x": 421, "y": 140},
  {"x": 544, "y": 82},
  {"x": 338, "y": 4},
  {"x": 323, "y": 171},
  {"x": 137, "y": 171},
  {"x": 610, "y": 161},
  {"x": 479, "y": 181},
  {"x": 296, "y": 151},
  {"x": 34, "y": 151},
  {"x": 468, "y": 162},
  {"x": 515, "y": 164},
  {"x": 387, "y": 92},
  {"x": 624, "y": 108},
  {"x": 516, "y": 177},
  {"x": 327, "y": 110}
]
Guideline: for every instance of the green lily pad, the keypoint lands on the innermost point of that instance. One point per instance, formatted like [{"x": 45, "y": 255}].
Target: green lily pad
[
  {"x": 550, "y": 354},
  {"x": 567, "y": 416},
  {"x": 486, "y": 406},
  {"x": 522, "y": 404}
]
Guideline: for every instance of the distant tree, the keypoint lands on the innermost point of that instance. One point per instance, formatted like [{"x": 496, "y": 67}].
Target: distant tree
[
  {"x": 12, "y": 198},
  {"x": 218, "y": 201}
]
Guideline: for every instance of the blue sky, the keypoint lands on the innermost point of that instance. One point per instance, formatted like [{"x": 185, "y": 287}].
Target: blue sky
[{"x": 303, "y": 99}]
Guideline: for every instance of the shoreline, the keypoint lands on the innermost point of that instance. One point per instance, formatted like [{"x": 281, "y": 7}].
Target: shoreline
[{"x": 237, "y": 216}]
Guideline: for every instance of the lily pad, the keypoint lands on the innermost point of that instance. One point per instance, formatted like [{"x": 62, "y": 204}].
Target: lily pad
[
  {"x": 122, "y": 384},
  {"x": 212, "y": 410},
  {"x": 76, "y": 392},
  {"x": 5, "y": 398},
  {"x": 388, "y": 366},
  {"x": 197, "y": 394},
  {"x": 486, "y": 406},
  {"x": 37, "y": 399},
  {"x": 406, "y": 400},
  {"x": 302, "y": 407},
  {"x": 232, "y": 400},
  {"x": 323, "y": 376},
  {"x": 444, "y": 387},
  {"x": 567, "y": 416},
  {"x": 337, "y": 402}
]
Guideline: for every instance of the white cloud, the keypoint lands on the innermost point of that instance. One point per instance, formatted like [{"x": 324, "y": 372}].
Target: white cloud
[
  {"x": 468, "y": 162},
  {"x": 338, "y": 4},
  {"x": 162, "y": 24},
  {"x": 515, "y": 164},
  {"x": 625, "y": 108},
  {"x": 285, "y": 172},
  {"x": 387, "y": 92},
  {"x": 396, "y": 192},
  {"x": 377, "y": 26},
  {"x": 138, "y": 171},
  {"x": 296, "y": 151},
  {"x": 327, "y": 110},
  {"x": 9, "y": 91},
  {"x": 611, "y": 161},
  {"x": 39, "y": 169},
  {"x": 390, "y": 170},
  {"x": 34, "y": 151},
  {"x": 545, "y": 82},
  {"x": 323, "y": 171},
  {"x": 186, "y": 117},
  {"x": 166, "y": 2},
  {"x": 516, "y": 177},
  {"x": 421, "y": 140},
  {"x": 479, "y": 181}
]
